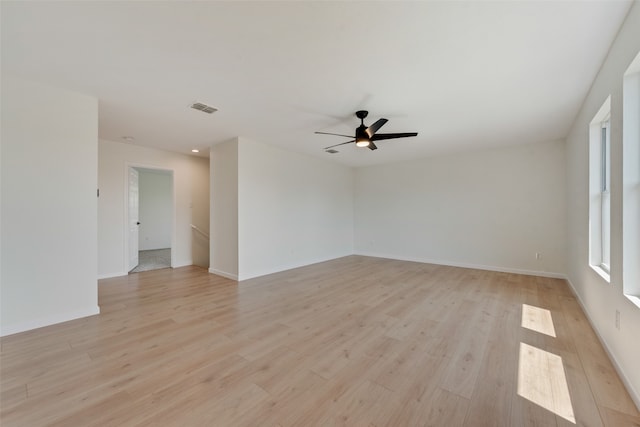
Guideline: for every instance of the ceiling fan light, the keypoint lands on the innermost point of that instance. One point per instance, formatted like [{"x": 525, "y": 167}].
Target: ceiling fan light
[{"x": 362, "y": 143}]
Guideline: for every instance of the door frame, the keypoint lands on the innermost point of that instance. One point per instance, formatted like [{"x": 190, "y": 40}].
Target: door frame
[
  {"x": 128, "y": 165},
  {"x": 134, "y": 174}
]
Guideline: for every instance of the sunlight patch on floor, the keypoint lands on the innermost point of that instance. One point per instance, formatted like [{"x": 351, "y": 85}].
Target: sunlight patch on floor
[
  {"x": 538, "y": 319},
  {"x": 541, "y": 380}
]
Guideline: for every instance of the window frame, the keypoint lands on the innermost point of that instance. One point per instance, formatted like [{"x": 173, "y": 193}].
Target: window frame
[
  {"x": 631, "y": 182},
  {"x": 600, "y": 191},
  {"x": 605, "y": 195}
]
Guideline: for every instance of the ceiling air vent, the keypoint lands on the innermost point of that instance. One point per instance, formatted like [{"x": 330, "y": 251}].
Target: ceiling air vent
[{"x": 203, "y": 107}]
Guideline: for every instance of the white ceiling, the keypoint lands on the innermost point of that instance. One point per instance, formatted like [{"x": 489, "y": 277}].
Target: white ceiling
[{"x": 464, "y": 75}]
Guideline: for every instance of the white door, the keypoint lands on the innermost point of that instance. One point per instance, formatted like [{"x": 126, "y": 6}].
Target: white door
[{"x": 134, "y": 221}]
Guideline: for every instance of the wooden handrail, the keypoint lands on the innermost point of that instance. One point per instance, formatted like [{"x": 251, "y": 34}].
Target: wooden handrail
[{"x": 200, "y": 231}]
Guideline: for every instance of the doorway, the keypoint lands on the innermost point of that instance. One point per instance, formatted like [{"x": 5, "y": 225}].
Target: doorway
[{"x": 150, "y": 205}]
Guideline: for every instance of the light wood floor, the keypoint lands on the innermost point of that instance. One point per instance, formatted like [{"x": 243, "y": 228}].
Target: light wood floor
[{"x": 355, "y": 341}]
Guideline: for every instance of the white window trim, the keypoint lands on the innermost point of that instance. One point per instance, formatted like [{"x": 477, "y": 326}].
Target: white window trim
[
  {"x": 599, "y": 187},
  {"x": 605, "y": 194},
  {"x": 631, "y": 183}
]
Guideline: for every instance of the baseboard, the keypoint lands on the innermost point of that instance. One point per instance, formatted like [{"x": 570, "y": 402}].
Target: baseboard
[
  {"x": 223, "y": 274},
  {"x": 111, "y": 275},
  {"x": 48, "y": 321},
  {"x": 288, "y": 267},
  {"x": 467, "y": 265},
  {"x": 279, "y": 269},
  {"x": 635, "y": 396},
  {"x": 120, "y": 274},
  {"x": 184, "y": 263},
  {"x": 377, "y": 255}
]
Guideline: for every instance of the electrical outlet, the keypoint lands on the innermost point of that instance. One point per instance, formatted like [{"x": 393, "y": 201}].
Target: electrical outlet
[
  {"x": 538, "y": 255},
  {"x": 618, "y": 319}
]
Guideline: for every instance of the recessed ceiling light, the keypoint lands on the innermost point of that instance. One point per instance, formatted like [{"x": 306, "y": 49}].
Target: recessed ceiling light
[
  {"x": 128, "y": 138},
  {"x": 195, "y": 150}
]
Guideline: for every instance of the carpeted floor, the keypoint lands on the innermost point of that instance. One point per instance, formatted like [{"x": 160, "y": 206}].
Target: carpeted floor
[{"x": 153, "y": 260}]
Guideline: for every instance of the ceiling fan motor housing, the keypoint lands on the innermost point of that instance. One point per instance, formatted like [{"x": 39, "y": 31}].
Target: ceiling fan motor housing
[
  {"x": 362, "y": 137},
  {"x": 361, "y": 133}
]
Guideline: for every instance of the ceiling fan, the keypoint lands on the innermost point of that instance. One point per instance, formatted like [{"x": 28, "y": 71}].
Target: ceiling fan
[{"x": 365, "y": 136}]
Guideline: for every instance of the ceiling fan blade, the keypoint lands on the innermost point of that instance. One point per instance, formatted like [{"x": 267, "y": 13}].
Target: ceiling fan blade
[
  {"x": 371, "y": 130},
  {"x": 382, "y": 136},
  {"x": 335, "y": 134},
  {"x": 348, "y": 142},
  {"x": 372, "y": 146}
]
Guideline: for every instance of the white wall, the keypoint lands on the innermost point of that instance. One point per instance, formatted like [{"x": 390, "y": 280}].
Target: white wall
[
  {"x": 491, "y": 209},
  {"x": 631, "y": 181},
  {"x": 293, "y": 209},
  {"x": 155, "y": 208},
  {"x": 49, "y": 181},
  {"x": 224, "y": 209},
  {"x": 599, "y": 298},
  {"x": 191, "y": 191}
]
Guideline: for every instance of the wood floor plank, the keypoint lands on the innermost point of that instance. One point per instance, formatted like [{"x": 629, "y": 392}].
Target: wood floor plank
[
  {"x": 466, "y": 361},
  {"x": 438, "y": 408},
  {"x": 612, "y": 417},
  {"x": 605, "y": 384},
  {"x": 490, "y": 403},
  {"x": 349, "y": 342}
]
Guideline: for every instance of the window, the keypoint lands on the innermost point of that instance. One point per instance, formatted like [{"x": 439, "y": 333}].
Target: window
[
  {"x": 631, "y": 182},
  {"x": 599, "y": 191},
  {"x": 605, "y": 196}
]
